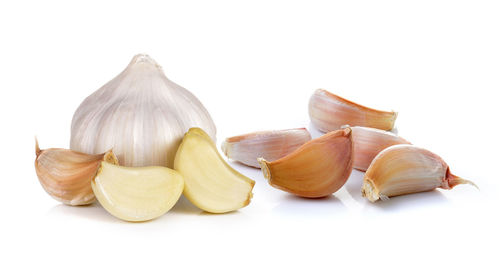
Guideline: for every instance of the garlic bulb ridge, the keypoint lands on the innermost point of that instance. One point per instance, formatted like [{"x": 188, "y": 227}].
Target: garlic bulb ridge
[{"x": 140, "y": 114}]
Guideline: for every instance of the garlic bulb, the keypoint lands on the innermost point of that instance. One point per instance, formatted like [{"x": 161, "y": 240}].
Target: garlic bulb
[{"x": 140, "y": 114}]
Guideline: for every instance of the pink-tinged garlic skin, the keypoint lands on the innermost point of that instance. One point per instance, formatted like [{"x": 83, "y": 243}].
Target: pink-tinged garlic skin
[
  {"x": 317, "y": 169},
  {"x": 368, "y": 142},
  {"x": 329, "y": 112},
  {"x": 65, "y": 174},
  {"x": 271, "y": 145},
  {"x": 405, "y": 169}
]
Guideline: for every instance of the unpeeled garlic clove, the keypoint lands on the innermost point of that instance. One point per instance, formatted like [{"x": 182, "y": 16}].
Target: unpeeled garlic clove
[
  {"x": 270, "y": 145},
  {"x": 405, "y": 169},
  {"x": 210, "y": 183},
  {"x": 368, "y": 142},
  {"x": 316, "y": 169},
  {"x": 65, "y": 174},
  {"x": 137, "y": 193},
  {"x": 329, "y": 112}
]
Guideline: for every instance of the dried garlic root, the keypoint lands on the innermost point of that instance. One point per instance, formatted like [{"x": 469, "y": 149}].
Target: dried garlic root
[
  {"x": 65, "y": 174},
  {"x": 405, "y": 169}
]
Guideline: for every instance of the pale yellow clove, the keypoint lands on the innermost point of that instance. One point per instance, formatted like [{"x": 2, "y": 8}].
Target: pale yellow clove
[
  {"x": 329, "y": 112},
  {"x": 137, "y": 194},
  {"x": 65, "y": 174},
  {"x": 270, "y": 145},
  {"x": 318, "y": 168},
  {"x": 368, "y": 142},
  {"x": 210, "y": 183},
  {"x": 405, "y": 169}
]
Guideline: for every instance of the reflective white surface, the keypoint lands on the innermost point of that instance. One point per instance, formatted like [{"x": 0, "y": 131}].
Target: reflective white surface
[{"x": 254, "y": 67}]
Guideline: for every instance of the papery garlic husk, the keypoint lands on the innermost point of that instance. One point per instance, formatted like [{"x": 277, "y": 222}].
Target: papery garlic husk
[
  {"x": 368, "y": 142},
  {"x": 270, "y": 145},
  {"x": 318, "y": 168},
  {"x": 140, "y": 114},
  {"x": 329, "y": 112},
  {"x": 405, "y": 169},
  {"x": 65, "y": 174},
  {"x": 137, "y": 194},
  {"x": 210, "y": 183}
]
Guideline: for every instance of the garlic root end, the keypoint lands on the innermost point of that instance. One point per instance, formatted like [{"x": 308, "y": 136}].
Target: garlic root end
[{"x": 265, "y": 168}]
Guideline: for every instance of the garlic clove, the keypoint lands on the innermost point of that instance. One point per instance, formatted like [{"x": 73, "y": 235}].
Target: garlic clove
[
  {"x": 318, "y": 168},
  {"x": 271, "y": 145},
  {"x": 329, "y": 112},
  {"x": 65, "y": 174},
  {"x": 137, "y": 193},
  {"x": 368, "y": 142},
  {"x": 141, "y": 114},
  {"x": 405, "y": 169},
  {"x": 210, "y": 183}
]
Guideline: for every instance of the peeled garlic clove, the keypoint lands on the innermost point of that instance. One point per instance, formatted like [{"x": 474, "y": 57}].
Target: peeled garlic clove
[
  {"x": 318, "y": 168},
  {"x": 368, "y": 142},
  {"x": 65, "y": 174},
  {"x": 405, "y": 169},
  {"x": 329, "y": 112},
  {"x": 137, "y": 193},
  {"x": 210, "y": 183},
  {"x": 141, "y": 114},
  {"x": 271, "y": 145}
]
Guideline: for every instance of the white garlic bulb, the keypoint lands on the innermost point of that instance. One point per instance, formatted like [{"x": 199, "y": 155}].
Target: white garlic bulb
[{"x": 140, "y": 114}]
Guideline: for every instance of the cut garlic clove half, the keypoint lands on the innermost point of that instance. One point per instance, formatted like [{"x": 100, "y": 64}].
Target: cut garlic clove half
[
  {"x": 270, "y": 145},
  {"x": 405, "y": 169},
  {"x": 318, "y": 168},
  {"x": 210, "y": 183},
  {"x": 329, "y": 112},
  {"x": 368, "y": 142},
  {"x": 65, "y": 174},
  {"x": 137, "y": 193}
]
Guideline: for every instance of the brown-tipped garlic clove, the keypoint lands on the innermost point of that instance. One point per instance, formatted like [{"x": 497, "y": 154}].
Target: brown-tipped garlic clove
[
  {"x": 405, "y": 169},
  {"x": 316, "y": 169},
  {"x": 368, "y": 142},
  {"x": 329, "y": 112},
  {"x": 271, "y": 145},
  {"x": 65, "y": 174}
]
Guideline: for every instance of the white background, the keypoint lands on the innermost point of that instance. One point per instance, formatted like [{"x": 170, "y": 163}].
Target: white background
[{"x": 254, "y": 66}]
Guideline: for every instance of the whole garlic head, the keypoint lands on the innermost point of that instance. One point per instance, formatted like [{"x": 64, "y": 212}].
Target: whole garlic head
[{"x": 140, "y": 114}]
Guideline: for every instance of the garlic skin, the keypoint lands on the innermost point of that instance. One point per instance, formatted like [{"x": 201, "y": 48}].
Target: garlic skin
[
  {"x": 368, "y": 142},
  {"x": 318, "y": 168},
  {"x": 271, "y": 145},
  {"x": 65, "y": 175},
  {"x": 140, "y": 114},
  {"x": 329, "y": 112},
  {"x": 405, "y": 169}
]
